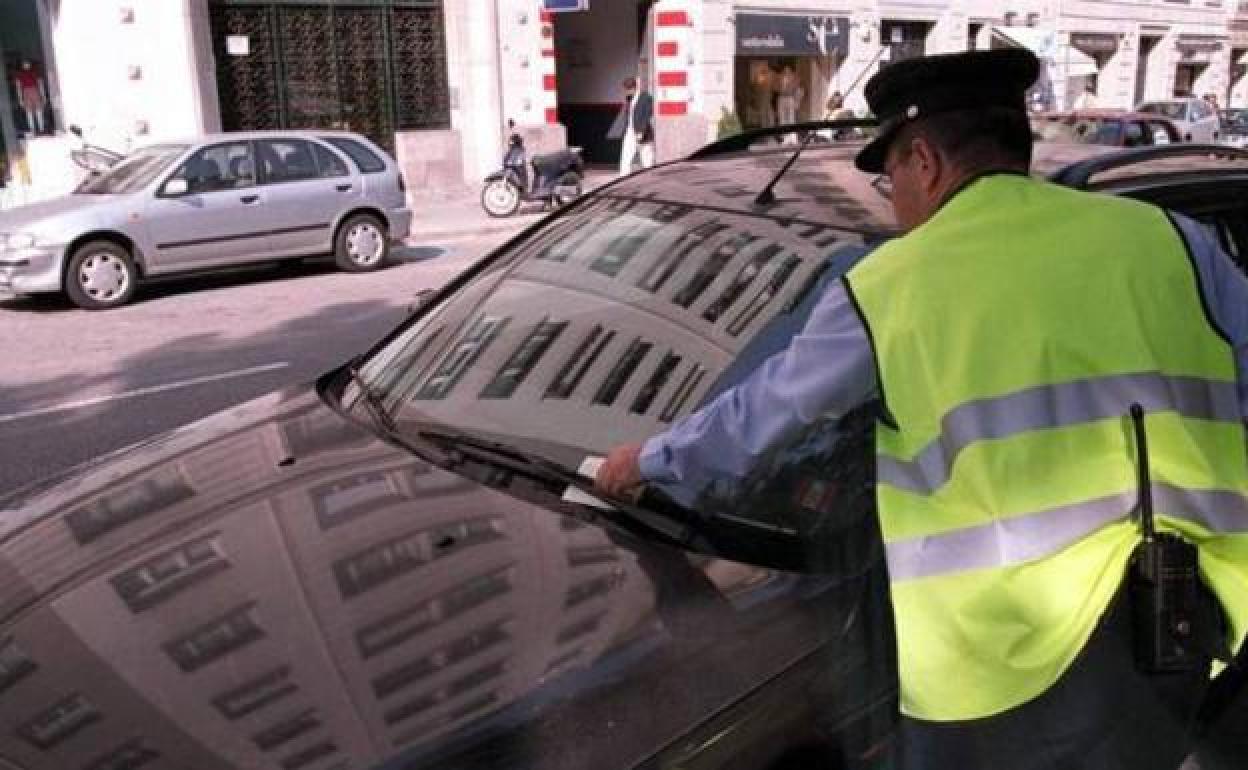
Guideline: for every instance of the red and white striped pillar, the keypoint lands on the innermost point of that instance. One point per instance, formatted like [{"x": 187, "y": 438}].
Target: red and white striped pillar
[
  {"x": 550, "y": 95},
  {"x": 673, "y": 36}
]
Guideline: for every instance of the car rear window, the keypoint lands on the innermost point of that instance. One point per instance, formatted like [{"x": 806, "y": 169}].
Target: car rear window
[{"x": 368, "y": 161}]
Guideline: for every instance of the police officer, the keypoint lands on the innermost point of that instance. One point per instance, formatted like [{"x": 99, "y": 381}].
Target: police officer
[{"x": 1009, "y": 334}]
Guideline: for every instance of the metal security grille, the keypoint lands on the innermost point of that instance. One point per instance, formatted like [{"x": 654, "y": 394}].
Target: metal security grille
[{"x": 375, "y": 67}]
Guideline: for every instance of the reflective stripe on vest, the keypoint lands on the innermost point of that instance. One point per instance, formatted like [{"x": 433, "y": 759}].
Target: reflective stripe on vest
[
  {"x": 1012, "y": 332},
  {"x": 1053, "y": 406},
  {"x": 1026, "y": 538}
]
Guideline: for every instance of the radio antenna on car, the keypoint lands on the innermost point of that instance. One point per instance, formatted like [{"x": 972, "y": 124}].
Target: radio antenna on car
[{"x": 768, "y": 195}]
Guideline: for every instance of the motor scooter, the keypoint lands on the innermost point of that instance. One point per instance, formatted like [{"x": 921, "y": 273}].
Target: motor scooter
[{"x": 555, "y": 179}]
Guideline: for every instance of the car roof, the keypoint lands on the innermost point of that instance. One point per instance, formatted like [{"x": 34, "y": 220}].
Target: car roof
[
  {"x": 824, "y": 188},
  {"x": 1106, "y": 113},
  {"x": 240, "y": 136}
]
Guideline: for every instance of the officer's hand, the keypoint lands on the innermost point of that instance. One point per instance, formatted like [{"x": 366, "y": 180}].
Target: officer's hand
[{"x": 620, "y": 472}]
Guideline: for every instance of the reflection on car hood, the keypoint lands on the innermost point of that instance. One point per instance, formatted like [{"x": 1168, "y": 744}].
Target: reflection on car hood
[
  {"x": 275, "y": 586},
  {"x": 14, "y": 220}
]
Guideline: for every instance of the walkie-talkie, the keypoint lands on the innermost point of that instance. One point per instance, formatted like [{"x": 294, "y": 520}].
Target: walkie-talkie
[{"x": 1164, "y": 582}]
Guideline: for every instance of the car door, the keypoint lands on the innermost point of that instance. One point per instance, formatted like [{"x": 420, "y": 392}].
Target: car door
[
  {"x": 209, "y": 212},
  {"x": 308, "y": 187}
]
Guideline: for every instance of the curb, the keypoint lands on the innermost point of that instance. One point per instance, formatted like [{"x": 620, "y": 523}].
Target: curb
[{"x": 461, "y": 233}]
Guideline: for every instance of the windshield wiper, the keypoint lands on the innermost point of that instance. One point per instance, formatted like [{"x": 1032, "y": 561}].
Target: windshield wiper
[
  {"x": 372, "y": 399},
  {"x": 653, "y": 514}
]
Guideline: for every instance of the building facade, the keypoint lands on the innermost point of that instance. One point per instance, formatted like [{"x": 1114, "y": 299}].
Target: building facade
[{"x": 437, "y": 81}]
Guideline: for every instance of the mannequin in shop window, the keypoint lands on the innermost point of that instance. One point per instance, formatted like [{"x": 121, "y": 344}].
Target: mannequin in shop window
[
  {"x": 789, "y": 95},
  {"x": 31, "y": 95}
]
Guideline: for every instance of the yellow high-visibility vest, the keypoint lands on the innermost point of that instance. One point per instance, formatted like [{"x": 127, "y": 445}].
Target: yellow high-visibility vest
[{"x": 1013, "y": 331}]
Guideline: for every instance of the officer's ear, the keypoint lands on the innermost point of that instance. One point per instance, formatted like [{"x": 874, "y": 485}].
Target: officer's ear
[{"x": 927, "y": 163}]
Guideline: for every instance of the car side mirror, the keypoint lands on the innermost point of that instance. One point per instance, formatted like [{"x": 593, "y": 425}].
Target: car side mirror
[
  {"x": 175, "y": 188},
  {"x": 76, "y": 131},
  {"x": 419, "y": 301}
]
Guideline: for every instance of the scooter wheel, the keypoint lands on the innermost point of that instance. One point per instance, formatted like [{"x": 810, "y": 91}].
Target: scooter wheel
[{"x": 500, "y": 198}]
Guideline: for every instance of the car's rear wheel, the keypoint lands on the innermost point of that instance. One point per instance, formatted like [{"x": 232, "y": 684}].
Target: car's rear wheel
[
  {"x": 362, "y": 244},
  {"x": 568, "y": 188},
  {"x": 101, "y": 275}
]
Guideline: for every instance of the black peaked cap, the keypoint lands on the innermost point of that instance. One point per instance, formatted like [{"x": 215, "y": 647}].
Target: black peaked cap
[{"x": 914, "y": 88}]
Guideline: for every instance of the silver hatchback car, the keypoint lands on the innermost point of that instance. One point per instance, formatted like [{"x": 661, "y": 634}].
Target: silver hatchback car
[{"x": 217, "y": 201}]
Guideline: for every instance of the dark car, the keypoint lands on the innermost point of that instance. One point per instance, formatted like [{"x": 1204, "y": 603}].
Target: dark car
[
  {"x": 1110, "y": 128},
  {"x": 400, "y": 567}
]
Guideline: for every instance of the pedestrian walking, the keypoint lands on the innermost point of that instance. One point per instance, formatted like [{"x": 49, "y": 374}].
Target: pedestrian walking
[
  {"x": 1058, "y": 370},
  {"x": 634, "y": 126}
]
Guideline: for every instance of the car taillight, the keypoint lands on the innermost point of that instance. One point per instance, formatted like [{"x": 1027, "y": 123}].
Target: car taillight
[{"x": 402, "y": 183}]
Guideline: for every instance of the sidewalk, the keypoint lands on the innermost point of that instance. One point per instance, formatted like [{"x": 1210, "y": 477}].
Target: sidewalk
[{"x": 454, "y": 217}]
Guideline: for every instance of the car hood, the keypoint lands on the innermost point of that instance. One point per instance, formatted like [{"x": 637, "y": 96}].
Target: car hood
[
  {"x": 275, "y": 585},
  {"x": 32, "y": 214}
]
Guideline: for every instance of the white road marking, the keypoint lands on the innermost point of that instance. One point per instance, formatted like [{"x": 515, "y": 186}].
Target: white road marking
[{"x": 72, "y": 405}]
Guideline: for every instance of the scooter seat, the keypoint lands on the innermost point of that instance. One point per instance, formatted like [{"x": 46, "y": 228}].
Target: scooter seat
[{"x": 554, "y": 161}]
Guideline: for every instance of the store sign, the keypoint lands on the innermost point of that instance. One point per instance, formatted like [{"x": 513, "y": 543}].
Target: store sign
[
  {"x": 765, "y": 35},
  {"x": 564, "y": 6},
  {"x": 1094, "y": 44}
]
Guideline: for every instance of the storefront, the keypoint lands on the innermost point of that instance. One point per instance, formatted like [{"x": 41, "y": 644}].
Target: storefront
[
  {"x": 787, "y": 66},
  {"x": 28, "y": 103},
  {"x": 903, "y": 39},
  {"x": 373, "y": 67}
]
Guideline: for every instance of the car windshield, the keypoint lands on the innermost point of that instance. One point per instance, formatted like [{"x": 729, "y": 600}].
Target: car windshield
[
  {"x": 134, "y": 172},
  {"x": 1235, "y": 118},
  {"x": 1081, "y": 131},
  {"x": 1172, "y": 110},
  {"x": 623, "y": 316}
]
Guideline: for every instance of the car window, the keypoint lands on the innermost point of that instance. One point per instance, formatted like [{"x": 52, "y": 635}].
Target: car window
[
  {"x": 614, "y": 321},
  {"x": 227, "y": 166},
  {"x": 328, "y": 163},
  {"x": 286, "y": 160},
  {"x": 1136, "y": 135},
  {"x": 133, "y": 172},
  {"x": 367, "y": 160},
  {"x": 1082, "y": 131},
  {"x": 1172, "y": 110}
]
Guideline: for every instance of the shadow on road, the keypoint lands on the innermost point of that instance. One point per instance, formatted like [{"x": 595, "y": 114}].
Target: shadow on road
[{"x": 162, "y": 288}]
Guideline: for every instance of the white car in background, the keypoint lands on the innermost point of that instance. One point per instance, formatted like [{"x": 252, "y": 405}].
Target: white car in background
[
  {"x": 212, "y": 202},
  {"x": 1196, "y": 119}
]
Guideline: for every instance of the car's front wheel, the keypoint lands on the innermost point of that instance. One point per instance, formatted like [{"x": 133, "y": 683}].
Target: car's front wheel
[
  {"x": 101, "y": 275},
  {"x": 362, "y": 244},
  {"x": 500, "y": 198}
]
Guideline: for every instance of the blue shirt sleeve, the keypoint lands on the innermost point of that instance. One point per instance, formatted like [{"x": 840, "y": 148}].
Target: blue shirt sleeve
[
  {"x": 1225, "y": 291},
  {"x": 827, "y": 369}
]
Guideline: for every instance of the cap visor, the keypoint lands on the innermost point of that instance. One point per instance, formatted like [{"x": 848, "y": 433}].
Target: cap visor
[{"x": 871, "y": 158}]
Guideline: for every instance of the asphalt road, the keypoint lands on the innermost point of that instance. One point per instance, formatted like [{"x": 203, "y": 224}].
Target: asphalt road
[{"x": 74, "y": 384}]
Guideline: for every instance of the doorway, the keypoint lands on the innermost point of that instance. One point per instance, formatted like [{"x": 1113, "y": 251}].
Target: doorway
[{"x": 596, "y": 50}]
